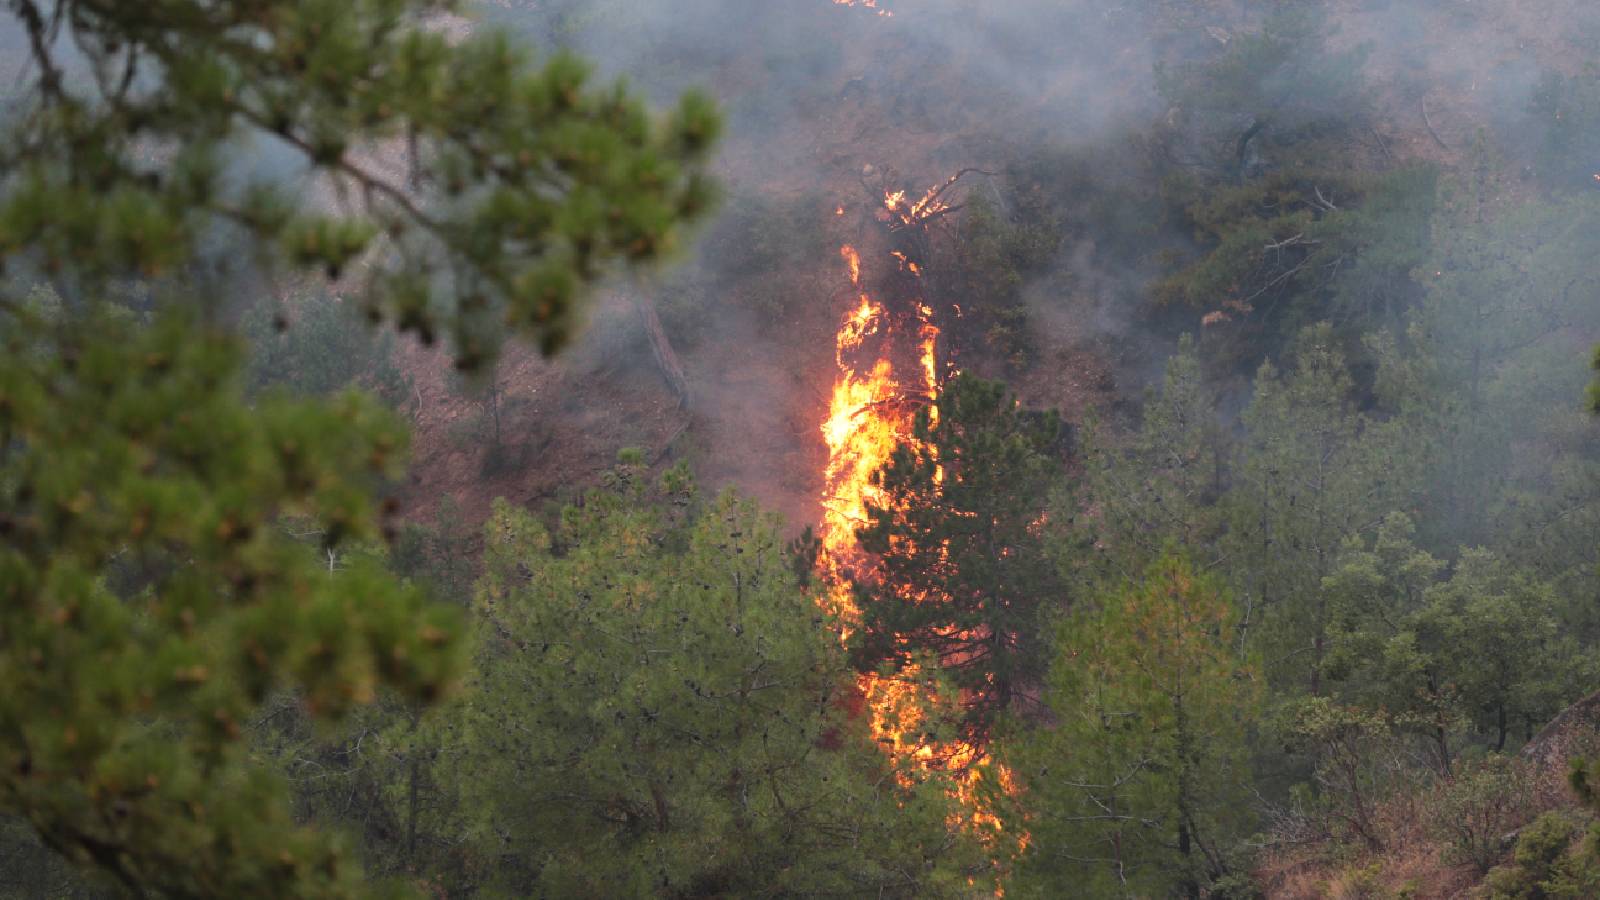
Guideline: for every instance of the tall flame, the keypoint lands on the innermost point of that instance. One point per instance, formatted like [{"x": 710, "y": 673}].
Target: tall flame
[{"x": 871, "y": 411}]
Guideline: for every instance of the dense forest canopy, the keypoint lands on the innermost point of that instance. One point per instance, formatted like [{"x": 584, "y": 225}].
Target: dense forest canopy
[{"x": 880, "y": 448}]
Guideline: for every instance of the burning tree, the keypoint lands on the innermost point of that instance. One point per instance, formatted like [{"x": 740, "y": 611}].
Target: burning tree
[
  {"x": 891, "y": 364},
  {"x": 956, "y": 564},
  {"x": 653, "y": 680}
]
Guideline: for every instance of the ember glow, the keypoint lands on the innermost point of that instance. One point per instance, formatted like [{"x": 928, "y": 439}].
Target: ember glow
[{"x": 888, "y": 368}]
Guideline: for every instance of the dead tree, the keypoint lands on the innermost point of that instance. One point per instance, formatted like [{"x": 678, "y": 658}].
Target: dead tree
[{"x": 666, "y": 358}]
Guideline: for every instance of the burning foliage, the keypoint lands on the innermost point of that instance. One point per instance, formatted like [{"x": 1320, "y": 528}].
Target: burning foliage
[{"x": 891, "y": 367}]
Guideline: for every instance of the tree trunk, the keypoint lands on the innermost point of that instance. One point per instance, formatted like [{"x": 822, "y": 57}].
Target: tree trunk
[
  {"x": 412, "y": 790},
  {"x": 1242, "y": 147},
  {"x": 658, "y": 797},
  {"x": 1443, "y": 740},
  {"x": 1316, "y": 666},
  {"x": 665, "y": 357},
  {"x": 1190, "y": 886}
]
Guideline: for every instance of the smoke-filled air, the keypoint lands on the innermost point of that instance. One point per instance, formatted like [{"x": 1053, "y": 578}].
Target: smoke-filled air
[{"x": 800, "y": 448}]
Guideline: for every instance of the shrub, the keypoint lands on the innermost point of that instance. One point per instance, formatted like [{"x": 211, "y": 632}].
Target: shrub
[
  {"x": 1543, "y": 867},
  {"x": 1478, "y": 809}
]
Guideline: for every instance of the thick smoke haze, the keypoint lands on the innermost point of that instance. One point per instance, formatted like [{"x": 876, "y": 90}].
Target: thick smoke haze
[{"x": 814, "y": 92}]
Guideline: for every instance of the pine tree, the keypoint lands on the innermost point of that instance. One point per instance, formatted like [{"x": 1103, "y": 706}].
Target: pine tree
[
  {"x": 1498, "y": 638},
  {"x": 1271, "y": 86},
  {"x": 499, "y": 189},
  {"x": 1135, "y": 788},
  {"x": 959, "y": 568},
  {"x": 1157, "y": 486},
  {"x": 1454, "y": 653},
  {"x": 669, "y": 704},
  {"x": 1495, "y": 382},
  {"x": 1313, "y": 470},
  {"x": 150, "y": 602}
]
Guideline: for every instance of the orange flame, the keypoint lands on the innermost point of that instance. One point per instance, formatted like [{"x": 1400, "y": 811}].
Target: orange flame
[
  {"x": 868, "y": 416},
  {"x": 906, "y": 265},
  {"x": 929, "y": 206},
  {"x": 853, "y": 260},
  {"x": 865, "y": 4}
]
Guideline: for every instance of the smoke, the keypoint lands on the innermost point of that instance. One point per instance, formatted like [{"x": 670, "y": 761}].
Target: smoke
[
  {"x": 815, "y": 93},
  {"x": 1057, "y": 97},
  {"x": 1061, "y": 101}
]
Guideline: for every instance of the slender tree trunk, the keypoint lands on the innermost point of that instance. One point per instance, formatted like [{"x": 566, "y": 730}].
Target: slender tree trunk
[
  {"x": 1189, "y": 886},
  {"x": 494, "y": 408},
  {"x": 658, "y": 797},
  {"x": 666, "y": 358},
  {"x": 1440, "y": 737},
  {"x": 413, "y": 790},
  {"x": 1316, "y": 665}
]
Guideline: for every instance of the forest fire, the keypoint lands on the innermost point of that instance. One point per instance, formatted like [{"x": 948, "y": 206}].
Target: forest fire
[
  {"x": 930, "y": 207},
  {"x": 888, "y": 357},
  {"x": 865, "y": 4},
  {"x": 869, "y": 413},
  {"x": 455, "y": 552}
]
